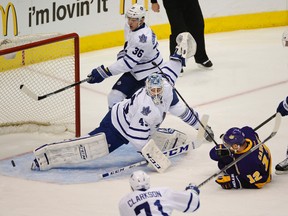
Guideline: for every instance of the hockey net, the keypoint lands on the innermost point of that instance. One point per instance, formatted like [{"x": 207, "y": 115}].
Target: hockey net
[{"x": 44, "y": 63}]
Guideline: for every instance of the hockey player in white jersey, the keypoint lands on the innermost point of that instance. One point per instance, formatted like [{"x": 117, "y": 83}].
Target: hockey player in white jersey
[
  {"x": 144, "y": 200},
  {"x": 134, "y": 61},
  {"x": 282, "y": 167},
  {"x": 134, "y": 120}
]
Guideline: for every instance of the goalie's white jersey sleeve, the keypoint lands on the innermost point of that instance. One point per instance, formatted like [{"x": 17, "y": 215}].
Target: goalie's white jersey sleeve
[
  {"x": 141, "y": 51},
  {"x": 158, "y": 201}
]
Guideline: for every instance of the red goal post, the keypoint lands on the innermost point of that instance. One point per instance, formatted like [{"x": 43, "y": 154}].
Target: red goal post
[{"x": 44, "y": 63}]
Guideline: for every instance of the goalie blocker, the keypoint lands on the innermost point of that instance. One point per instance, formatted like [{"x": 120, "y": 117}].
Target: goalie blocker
[{"x": 83, "y": 149}]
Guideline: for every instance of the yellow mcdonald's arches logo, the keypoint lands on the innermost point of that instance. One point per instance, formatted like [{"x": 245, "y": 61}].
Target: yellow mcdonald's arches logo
[
  {"x": 122, "y": 5},
  {"x": 5, "y": 15}
]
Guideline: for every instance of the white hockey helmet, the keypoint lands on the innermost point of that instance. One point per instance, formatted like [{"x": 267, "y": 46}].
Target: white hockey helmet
[
  {"x": 155, "y": 87},
  {"x": 136, "y": 11},
  {"x": 285, "y": 38},
  {"x": 139, "y": 180}
]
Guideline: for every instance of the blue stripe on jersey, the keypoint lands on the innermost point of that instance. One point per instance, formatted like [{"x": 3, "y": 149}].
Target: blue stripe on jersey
[
  {"x": 140, "y": 63},
  {"x": 126, "y": 62},
  {"x": 146, "y": 69},
  {"x": 156, "y": 46},
  {"x": 175, "y": 98},
  {"x": 119, "y": 123},
  {"x": 189, "y": 117},
  {"x": 169, "y": 74},
  {"x": 189, "y": 203},
  {"x": 127, "y": 122},
  {"x": 147, "y": 65}
]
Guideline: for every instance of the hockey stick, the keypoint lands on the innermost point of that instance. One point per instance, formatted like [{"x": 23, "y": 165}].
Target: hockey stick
[
  {"x": 260, "y": 125},
  {"x": 265, "y": 122},
  {"x": 31, "y": 94},
  {"x": 202, "y": 125},
  {"x": 170, "y": 153},
  {"x": 273, "y": 133}
]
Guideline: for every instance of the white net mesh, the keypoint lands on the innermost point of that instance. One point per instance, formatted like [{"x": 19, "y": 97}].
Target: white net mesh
[
  {"x": 25, "y": 39},
  {"x": 43, "y": 69}
]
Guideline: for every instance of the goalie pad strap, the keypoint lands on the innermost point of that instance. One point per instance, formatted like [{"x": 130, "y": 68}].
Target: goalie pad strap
[
  {"x": 71, "y": 151},
  {"x": 155, "y": 157}
]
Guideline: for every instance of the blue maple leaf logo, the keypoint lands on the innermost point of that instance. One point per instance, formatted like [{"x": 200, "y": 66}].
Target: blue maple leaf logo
[
  {"x": 146, "y": 111},
  {"x": 142, "y": 38}
]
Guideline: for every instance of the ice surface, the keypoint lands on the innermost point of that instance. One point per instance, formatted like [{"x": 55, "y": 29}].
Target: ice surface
[{"x": 246, "y": 84}]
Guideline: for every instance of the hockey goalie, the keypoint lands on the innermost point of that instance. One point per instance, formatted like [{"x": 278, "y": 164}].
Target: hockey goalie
[{"x": 134, "y": 121}]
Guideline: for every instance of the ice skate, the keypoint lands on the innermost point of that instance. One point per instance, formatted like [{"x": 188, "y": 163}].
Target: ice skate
[
  {"x": 206, "y": 64},
  {"x": 282, "y": 167}
]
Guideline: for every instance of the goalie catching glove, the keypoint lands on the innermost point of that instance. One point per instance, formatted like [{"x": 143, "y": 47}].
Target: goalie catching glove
[
  {"x": 98, "y": 74},
  {"x": 229, "y": 181},
  {"x": 186, "y": 47}
]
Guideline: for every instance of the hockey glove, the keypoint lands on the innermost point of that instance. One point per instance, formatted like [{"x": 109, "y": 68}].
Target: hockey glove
[
  {"x": 283, "y": 107},
  {"x": 222, "y": 151},
  {"x": 98, "y": 74},
  {"x": 206, "y": 135},
  {"x": 228, "y": 181},
  {"x": 193, "y": 187},
  {"x": 121, "y": 54}
]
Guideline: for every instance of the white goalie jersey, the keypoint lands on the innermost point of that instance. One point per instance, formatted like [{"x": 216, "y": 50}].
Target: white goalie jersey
[
  {"x": 141, "y": 50},
  {"x": 158, "y": 201},
  {"x": 138, "y": 118}
]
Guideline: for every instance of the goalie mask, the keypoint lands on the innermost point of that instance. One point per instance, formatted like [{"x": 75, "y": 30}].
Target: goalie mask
[
  {"x": 136, "y": 12},
  {"x": 139, "y": 180},
  {"x": 234, "y": 138},
  {"x": 285, "y": 38},
  {"x": 154, "y": 87}
]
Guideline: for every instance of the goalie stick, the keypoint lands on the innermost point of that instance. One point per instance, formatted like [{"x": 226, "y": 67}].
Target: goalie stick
[
  {"x": 31, "y": 94},
  {"x": 273, "y": 133},
  {"x": 170, "y": 153},
  {"x": 200, "y": 122}
]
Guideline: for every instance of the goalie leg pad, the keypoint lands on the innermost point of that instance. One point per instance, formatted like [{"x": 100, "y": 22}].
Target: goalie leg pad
[
  {"x": 71, "y": 151},
  {"x": 168, "y": 138},
  {"x": 155, "y": 157}
]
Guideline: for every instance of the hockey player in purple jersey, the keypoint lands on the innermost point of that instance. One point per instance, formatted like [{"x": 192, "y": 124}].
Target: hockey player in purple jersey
[
  {"x": 253, "y": 171},
  {"x": 144, "y": 200}
]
